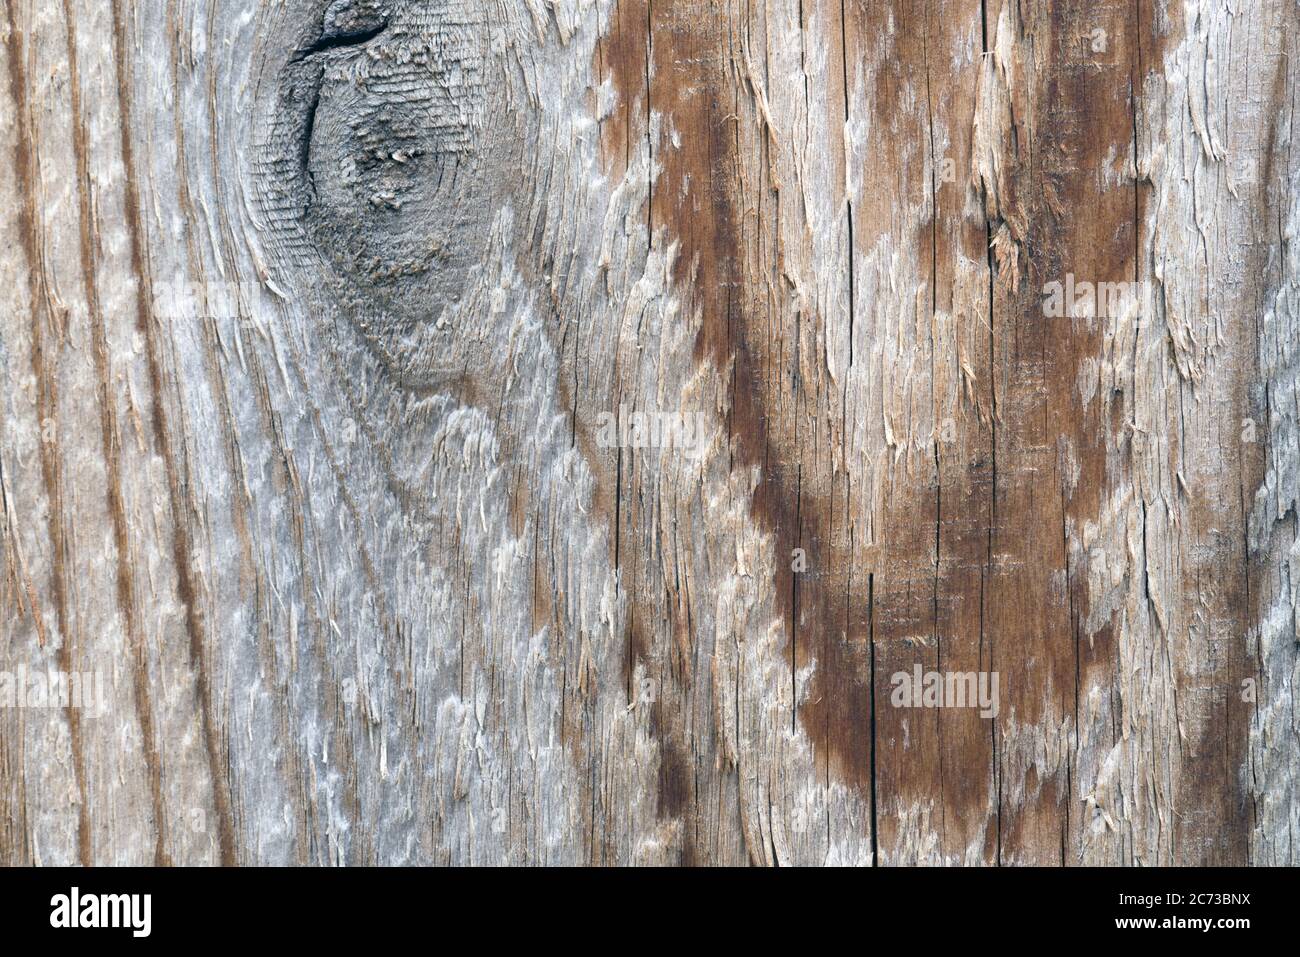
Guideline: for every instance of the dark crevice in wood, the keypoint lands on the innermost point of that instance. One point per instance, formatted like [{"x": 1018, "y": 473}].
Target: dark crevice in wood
[{"x": 327, "y": 43}]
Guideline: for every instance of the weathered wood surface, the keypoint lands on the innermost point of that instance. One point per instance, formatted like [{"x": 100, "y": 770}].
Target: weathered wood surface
[{"x": 364, "y": 583}]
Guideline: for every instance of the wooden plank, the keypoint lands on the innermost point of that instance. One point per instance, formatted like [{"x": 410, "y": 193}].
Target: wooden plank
[{"x": 465, "y": 432}]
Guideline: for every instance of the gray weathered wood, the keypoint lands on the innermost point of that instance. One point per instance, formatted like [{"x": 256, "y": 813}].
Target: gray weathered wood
[{"x": 313, "y": 313}]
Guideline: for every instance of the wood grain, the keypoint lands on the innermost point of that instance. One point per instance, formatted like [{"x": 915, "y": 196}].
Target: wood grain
[{"x": 315, "y": 316}]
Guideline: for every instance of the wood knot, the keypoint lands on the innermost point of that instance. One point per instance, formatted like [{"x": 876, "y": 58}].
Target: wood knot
[{"x": 379, "y": 166}]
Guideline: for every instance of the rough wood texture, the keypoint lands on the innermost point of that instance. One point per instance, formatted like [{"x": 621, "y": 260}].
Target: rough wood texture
[{"x": 314, "y": 318}]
